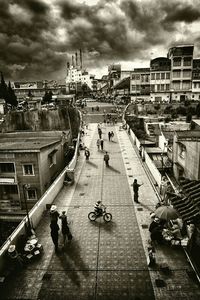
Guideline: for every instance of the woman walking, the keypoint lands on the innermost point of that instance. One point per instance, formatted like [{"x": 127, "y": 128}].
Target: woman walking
[{"x": 65, "y": 228}]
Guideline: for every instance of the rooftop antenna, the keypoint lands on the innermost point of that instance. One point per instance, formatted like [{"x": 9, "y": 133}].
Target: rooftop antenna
[
  {"x": 72, "y": 60},
  {"x": 81, "y": 58}
]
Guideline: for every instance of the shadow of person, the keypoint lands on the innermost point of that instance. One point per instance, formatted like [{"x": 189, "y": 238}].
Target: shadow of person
[
  {"x": 114, "y": 170},
  {"x": 92, "y": 164},
  {"x": 68, "y": 267},
  {"x": 108, "y": 226},
  {"x": 73, "y": 252}
]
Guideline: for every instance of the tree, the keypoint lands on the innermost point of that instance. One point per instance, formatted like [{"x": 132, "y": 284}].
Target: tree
[
  {"x": 198, "y": 110},
  {"x": 7, "y": 93},
  {"x": 3, "y": 88},
  {"x": 47, "y": 97},
  {"x": 12, "y": 99}
]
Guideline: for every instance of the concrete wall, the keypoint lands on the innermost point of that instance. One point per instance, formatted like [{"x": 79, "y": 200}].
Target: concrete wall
[{"x": 152, "y": 168}]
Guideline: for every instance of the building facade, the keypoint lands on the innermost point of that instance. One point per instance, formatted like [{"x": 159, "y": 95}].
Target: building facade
[
  {"x": 181, "y": 72},
  {"x": 186, "y": 159},
  {"x": 29, "y": 163},
  {"x": 160, "y": 79},
  {"x": 140, "y": 84}
]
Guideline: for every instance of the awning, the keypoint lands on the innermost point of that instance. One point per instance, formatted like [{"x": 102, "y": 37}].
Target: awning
[
  {"x": 188, "y": 202},
  {"x": 187, "y": 210}
]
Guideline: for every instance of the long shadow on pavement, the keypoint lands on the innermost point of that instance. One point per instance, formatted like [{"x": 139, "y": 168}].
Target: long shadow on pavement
[
  {"x": 92, "y": 164},
  {"x": 72, "y": 262},
  {"x": 114, "y": 170}
]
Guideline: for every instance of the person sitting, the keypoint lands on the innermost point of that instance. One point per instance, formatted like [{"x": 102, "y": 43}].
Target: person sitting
[{"x": 99, "y": 208}]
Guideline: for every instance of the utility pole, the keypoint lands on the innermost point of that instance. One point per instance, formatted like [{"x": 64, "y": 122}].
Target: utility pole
[{"x": 25, "y": 188}]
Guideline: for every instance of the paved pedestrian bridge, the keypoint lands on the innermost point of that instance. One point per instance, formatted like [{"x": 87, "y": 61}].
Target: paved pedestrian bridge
[{"x": 104, "y": 260}]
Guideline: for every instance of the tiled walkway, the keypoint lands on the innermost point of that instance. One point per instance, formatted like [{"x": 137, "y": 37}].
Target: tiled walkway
[{"x": 104, "y": 261}]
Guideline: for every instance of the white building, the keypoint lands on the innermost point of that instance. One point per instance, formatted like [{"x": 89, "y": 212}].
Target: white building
[
  {"x": 181, "y": 57},
  {"x": 77, "y": 75},
  {"x": 160, "y": 79}
]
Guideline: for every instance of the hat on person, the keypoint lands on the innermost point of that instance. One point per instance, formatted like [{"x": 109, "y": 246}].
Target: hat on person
[
  {"x": 11, "y": 248},
  {"x": 63, "y": 212},
  {"x": 152, "y": 215},
  {"x": 157, "y": 220},
  {"x": 53, "y": 208}
]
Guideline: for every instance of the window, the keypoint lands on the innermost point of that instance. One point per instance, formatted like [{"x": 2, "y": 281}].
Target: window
[
  {"x": 176, "y": 85},
  {"x": 186, "y": 73},
  {"x": 162, "y": 87},
  {"x": 167, "y": 75},
  {"x": 28, "y": 169},
  {"x": 177, "y": 62},
  {"x": 133, "y": 87},
  {"x": 187, "y": 61},
  {"x": 186, "y": 85},
  {"x": 182, "y": 151},
  {"x": 137, "y": 76},
  {"x": 7, "y": 168},
  {"x": 31, "y": 194},
  {"x": 195, "y": 85},
  {"x": 176, "y": 74},
  {"x": 157, "y": 75},
  {"x": 158, "y": 87},
  {"x": 153, "y": 87},
  {"x": 162, "y": 75},
  {"x": 167, "y": 87},
  {"x": 52, "y": 158},
  {"x": 153, "y": 76}
]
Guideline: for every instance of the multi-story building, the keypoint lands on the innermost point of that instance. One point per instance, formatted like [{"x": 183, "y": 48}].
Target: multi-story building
[
  {"x": 24, "y": 89},
  {"x": 186, "y": 149},
  {"x": 196, "y": 80},
  {"x": 29, "y": 162},
  {"x": 181, "y": 57},
  {"x": 140, "y": 83},
  {"x": 160, "y": 79}
]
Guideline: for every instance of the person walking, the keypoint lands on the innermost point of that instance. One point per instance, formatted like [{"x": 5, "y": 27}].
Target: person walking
[
  {"x": 54, "y": 214},
  {"x": 109, "y": 135},
  {"x": 136, "y": 190},
  {"x": 106, "y": 159},
  {"x": 54, "y": 234},
  {"x": 98, "y": 144},
  {"x": 65, "y": 228},
  {"x": 100, "y": 132},
  {"x": 101, "y": 143},
  {"x": 87, "y": 153}
]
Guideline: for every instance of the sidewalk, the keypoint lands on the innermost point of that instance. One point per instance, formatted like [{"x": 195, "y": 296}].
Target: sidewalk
[{"x": 104, "y": 261}]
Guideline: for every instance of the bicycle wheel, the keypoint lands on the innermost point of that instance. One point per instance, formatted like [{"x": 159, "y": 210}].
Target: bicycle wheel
[
  {"x": 107, "y": 217},
  {"x": 92, "y": 216}
]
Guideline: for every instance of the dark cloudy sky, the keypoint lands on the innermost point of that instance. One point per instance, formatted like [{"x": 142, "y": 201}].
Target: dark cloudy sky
[{"x": 38, "y": 37}]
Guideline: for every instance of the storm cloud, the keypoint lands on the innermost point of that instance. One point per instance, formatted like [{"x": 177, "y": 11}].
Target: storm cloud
[{"x": 38, "y": 37}]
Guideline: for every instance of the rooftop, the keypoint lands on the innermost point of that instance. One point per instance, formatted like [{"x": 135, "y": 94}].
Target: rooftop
[
  {"x": 30, "y": 141},
  {"x": 188, "y": 134}
]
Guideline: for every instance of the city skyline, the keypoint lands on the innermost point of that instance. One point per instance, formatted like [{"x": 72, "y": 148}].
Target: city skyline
[{"x": 38, "y": 37}]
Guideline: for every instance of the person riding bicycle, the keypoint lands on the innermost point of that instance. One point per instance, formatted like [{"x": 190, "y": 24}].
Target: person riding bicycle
[{"x": 99, "y": 208}]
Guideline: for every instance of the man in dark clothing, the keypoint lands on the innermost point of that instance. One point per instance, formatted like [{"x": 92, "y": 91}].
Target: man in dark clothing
[
  {"x": 101, "y": 143},
  {"x": 109, "y": 135},
  {"x": 54, "y": 234},
  {"x": 106, "y": 159},
  {"x": 136, "y": 189}
]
